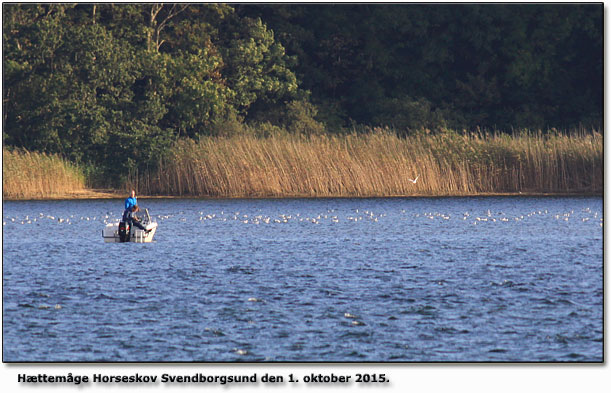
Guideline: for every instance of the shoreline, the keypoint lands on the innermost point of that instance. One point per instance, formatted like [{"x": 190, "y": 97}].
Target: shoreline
[{"x": 114, "y": 194}]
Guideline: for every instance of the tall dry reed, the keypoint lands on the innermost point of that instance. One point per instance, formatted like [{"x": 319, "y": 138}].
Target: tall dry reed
[
  {"x": 28, "y": 175},
  {"x": 380, "y": 164}
]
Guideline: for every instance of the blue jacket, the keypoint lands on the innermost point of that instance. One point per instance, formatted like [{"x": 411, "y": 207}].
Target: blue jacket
[{"x": 129, "y": 202}]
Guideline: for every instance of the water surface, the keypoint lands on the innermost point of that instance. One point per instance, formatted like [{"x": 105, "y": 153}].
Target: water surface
[{"x": 349, "y": 280}]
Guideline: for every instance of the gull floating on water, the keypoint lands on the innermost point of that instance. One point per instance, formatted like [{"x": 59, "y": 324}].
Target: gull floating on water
[{"x": 414, "y": 180}]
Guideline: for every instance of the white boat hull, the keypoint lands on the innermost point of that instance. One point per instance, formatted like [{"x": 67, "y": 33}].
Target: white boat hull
[{"x": 110, "y": 233}]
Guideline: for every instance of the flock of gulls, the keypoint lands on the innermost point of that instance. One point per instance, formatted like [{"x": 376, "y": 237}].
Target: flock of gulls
[{"x": 330, "y": 216}]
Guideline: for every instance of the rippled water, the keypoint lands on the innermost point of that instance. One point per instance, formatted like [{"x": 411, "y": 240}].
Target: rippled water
[{"x": 440, "y": 279}]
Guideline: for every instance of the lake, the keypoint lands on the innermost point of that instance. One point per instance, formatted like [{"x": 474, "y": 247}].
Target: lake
[{"x": 490, "y": 279}]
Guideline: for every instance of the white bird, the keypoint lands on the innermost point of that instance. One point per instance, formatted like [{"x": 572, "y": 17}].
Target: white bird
[{"x": 414, "y": 180}]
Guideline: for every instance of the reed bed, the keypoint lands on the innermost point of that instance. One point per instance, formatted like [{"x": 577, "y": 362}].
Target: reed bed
[
  {"x": 30, "y": 175},
  {"x": 380, "y": 164}
]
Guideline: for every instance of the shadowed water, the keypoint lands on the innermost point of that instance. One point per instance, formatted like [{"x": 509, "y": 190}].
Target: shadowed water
[{"x": 440, "y": 279}]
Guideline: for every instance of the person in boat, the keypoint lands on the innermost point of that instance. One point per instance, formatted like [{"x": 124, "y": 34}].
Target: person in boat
[
  {"x": 131, "y": 201},
  {"x": 130, "y": 218}
]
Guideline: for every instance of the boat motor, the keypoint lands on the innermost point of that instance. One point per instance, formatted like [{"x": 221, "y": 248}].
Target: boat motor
[{"x": 123, "y": 231}]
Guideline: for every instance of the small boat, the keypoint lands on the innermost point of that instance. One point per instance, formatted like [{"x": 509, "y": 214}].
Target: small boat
[{"x": 119, "y": 232}]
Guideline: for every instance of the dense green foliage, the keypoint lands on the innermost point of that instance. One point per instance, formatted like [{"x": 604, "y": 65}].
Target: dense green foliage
[
  {"x": 113, "y": 86},
  {"x": 463, "y": 66}
]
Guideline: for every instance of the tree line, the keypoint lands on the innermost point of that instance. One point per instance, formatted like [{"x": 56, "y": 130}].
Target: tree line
[{"x": 113, "y": 86}]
